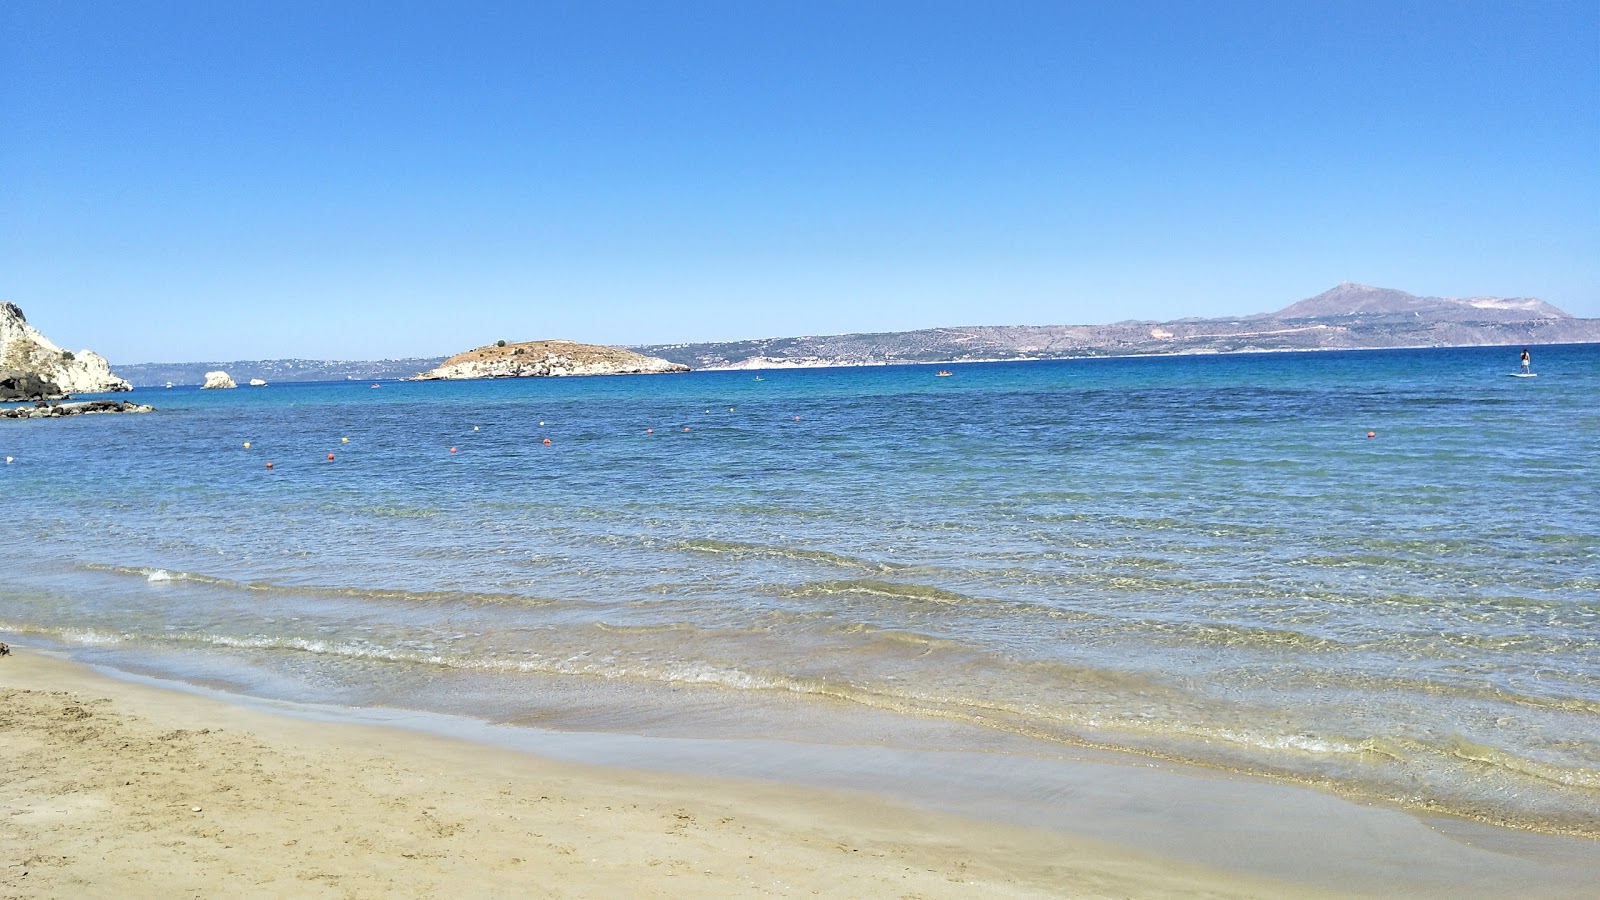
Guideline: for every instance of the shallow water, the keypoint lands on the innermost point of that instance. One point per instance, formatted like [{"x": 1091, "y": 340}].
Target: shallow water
[{"x": 1197, "y": 558}]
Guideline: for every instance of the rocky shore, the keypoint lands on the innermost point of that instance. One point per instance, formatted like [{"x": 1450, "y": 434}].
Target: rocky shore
[{"x": 44, "y": 410}]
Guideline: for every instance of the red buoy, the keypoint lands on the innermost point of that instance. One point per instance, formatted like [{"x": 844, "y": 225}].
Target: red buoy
[
  {"x": 547, "y": 442},
  {"x": 330, "y": 457},
  {"x": 269, "y": 465},
  {"x": 1371, "y": 434},
  {"x": 452, "y": 449}
]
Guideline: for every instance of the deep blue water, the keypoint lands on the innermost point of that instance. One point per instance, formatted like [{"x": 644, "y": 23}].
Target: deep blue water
[{"x": 1198, "y": 558}]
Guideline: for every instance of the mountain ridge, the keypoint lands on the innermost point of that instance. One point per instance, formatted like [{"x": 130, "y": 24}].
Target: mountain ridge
[
  {"x": 1349, "y": 316},
  {"x": 1349, "y": 299}
]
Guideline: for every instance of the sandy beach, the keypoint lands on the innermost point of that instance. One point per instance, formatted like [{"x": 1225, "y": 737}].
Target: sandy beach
[{"x": 121, "y": 789}]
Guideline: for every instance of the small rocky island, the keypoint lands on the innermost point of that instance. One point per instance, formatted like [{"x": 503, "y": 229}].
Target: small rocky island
[
  {"x": 539, "y": 359},
  {"x": 33, "y": 368}
]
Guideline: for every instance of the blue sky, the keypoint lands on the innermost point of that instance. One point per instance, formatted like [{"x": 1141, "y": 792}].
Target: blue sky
[{"x": 186, "y": 181}]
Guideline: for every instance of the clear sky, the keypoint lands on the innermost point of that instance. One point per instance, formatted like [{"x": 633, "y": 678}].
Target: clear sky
[{"x": 214, "y": 181}]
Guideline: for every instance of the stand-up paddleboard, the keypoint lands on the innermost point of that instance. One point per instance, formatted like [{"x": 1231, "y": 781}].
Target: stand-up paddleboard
[{"x": 1523, "y": 374}]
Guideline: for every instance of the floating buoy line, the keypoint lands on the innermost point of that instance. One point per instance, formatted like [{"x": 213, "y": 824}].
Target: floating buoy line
[{"x": 547, "y": 442}]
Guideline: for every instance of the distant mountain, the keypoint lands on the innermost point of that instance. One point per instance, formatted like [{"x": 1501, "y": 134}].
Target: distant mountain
[
  {"x": 1347, "y": 317},
  {"x": 1351, "y": 299},
  {"x": 276, "y": 370}
]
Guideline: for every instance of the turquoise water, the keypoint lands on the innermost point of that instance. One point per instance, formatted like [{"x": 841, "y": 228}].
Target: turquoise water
[{"x": 1195, "y": 558}]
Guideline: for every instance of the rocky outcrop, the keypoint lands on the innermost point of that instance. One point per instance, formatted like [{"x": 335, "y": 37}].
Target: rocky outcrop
[
  {"x": 86, "y": 408},
  {"x": 18, "y": 385},
  {"x": 216, "y": 380},
  {"x": 25, "y": 352},
  {"x": 537, "y": 359}
]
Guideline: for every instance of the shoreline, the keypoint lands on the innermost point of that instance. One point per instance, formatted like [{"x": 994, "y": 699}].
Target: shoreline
[
  {"x": 383, "y": 793},
  {"x": 119, "y": 788}
]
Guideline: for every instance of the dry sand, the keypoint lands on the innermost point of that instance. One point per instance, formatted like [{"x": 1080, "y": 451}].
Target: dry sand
[{"x": 111, "y": 788}]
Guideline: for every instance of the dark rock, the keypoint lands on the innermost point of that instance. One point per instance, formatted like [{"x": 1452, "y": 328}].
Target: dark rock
[
  {"x": 18, "y": 385},
  {"x": 84, "y": 408}
]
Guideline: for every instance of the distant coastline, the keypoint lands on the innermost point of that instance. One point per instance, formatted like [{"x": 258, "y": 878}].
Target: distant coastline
[
  {"x": 1346, "y": 317},
  {"x": 134, "y": 372}
]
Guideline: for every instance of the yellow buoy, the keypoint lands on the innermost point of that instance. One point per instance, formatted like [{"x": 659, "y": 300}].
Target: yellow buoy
[
  {"x": 247, "y": 445},
  {"x": 344, "y": 440},
  {"x": 474, "y": 428}
]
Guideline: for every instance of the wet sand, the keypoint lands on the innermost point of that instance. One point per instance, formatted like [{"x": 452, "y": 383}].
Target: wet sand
[
  {"x": 115, "y": 788},
  {"x": 120, "y": 789}
]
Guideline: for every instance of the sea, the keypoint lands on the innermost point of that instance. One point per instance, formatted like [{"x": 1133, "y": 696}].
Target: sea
[{"x": 1376, "y": 573}]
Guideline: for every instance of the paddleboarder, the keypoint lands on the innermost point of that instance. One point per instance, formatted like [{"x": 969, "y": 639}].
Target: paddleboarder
[{"x": 1527, "y": 361}]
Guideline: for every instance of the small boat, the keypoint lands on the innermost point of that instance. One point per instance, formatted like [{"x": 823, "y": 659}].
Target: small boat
[
  {"x": 758, "y": 377},
  {"x": 942, "y": 373},
  {"x": 169, "y": 385},
  {"x": 377, "y": 386}
]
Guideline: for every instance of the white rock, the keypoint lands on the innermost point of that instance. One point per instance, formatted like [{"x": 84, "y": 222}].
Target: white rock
[
  {"x": 218, "y": 380},
  {"x": 23, "y": 347}
]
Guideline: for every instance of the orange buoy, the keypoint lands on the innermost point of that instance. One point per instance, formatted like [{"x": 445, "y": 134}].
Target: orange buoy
[
  {"x": 330, "y": 457},
  {"x": 1371, "y": 434},
  {"x": 685, "y": 428},
  {"x": 797, "y": 418},
  {"x": 649, "y": 431},
  {"x": 269, "y": 465},
  {"x": 452, "y": 449},
  {"x": 547, "y": 442}
]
